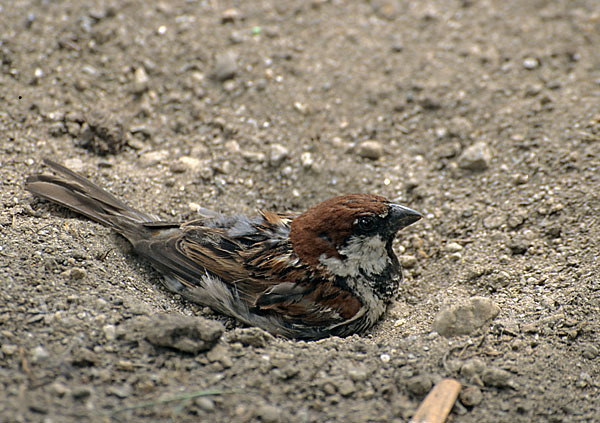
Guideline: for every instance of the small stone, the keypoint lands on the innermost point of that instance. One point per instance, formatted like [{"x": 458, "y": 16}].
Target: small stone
[
  {"x": 346, "y": 387},
  {"x": 520, "y": 178},
  {"x": 476, "y": 157},
  {"x": 190, "y": 163},
  {"x": 419, "y": 385},
  {"x": 301, "y": 108},
  {"x": 472, "y": 367},
  {"x": 141, "y": 81},
  {"x": 232, "y": 146},
  {"x": 230, "y": 15},
  {"x": 76, "y": 165},
  {"x": 120, "y": 391},
  {"x": 9, "y": 349},
  {"x": 307, "y": 160},
  {"x": 590, "y": 352},
  {"x": 455, "y": 256},
  {"x": 499, "y": 378},
  {"x": 205, "y": 403},
  {"x": 39, "y": 354},
  {"x": 253, "y": 156},
  {"x": 254, "y": 337},
  {"x": 370, "y": 149},
  {"x": 82, "y": 392},
  {"x": 75, "y": 273},
  {"x": 453, "y": 247},
  {"x": 464, "y": 319},
  {"x": 183, "y": 333},
  {"x": 277, "y": 154},
  {"x": 471, "y": 396},
  {"x": 518, "y": 245},
  {"x": 153, "y": 158},
  {"x": 84, "y": 357},
  {"x": 225, "y": 66},
  {"x": 110, "y": 332},
  {"x": 494, "y": 221},
  {"x": 268, "y": 413},
  {"x": 531, "y": 63},
  {"x": 407, "y": 261},
  {"x": 59, "y": 389},
  {"x": 358, "y": 374},
  {"x": 220, "y": 354}
]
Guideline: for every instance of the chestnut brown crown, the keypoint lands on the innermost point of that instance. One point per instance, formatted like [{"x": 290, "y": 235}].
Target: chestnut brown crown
[{"x": 325, "y": 228}]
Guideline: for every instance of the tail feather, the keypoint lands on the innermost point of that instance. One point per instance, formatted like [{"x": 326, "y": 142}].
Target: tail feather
[{"x": 80, "y": 195}]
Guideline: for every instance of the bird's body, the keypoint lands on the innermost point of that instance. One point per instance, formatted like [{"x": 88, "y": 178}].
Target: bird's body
[{"x": 328, "y": 271}]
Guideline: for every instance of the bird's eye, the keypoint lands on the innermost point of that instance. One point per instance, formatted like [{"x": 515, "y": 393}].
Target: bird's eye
[{"x": 365, "y": 224}]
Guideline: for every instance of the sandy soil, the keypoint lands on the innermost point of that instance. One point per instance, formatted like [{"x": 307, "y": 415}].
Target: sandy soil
[{"x": 484, "y": 115}]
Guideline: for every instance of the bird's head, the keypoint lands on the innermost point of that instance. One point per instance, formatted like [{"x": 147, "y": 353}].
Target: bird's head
[{"x": 351, "y": 234}]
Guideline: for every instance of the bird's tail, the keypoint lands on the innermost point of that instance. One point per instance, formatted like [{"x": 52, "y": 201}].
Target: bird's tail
[{"x": 73, "y": 191}]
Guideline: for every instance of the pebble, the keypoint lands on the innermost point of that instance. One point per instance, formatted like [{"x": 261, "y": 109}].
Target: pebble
[
  {"x": 518, "y": 245},
  {"x": 253, "y": 156},
  {"x": 82, "y": 392},
  {"x": 254, "y": 337},
  {"x": 590, "y": 352},
  {"x": 471, "y": 396},
  {"x": 472, "y": 367},
  {"x": 453, "y": 247},
  {"x": 220, "y": 354},
  {"x": 84, "y": 357},
  {"x": 358, "y": 374},
  {"x": 120, "y": 391},
  {"x": 39, "y": 354},
  {"x": 225, "y": 66},
  {"x": 493, "y": 376},
  {"x": 189, "y": 163},
  {"x": 75, "y": 273},
  {"x": 531, "y": 63},
  {"x": 268, "y": 413},
  {"x": 277, "y": 154},
  {"x": 476, "y": 157},
  {"x": 230, "y": 15},
  {"x": 205, "y": 403},
  {"x": 307, "y": 160},
  {"x": 346, "y": 387},
  {"x": 419, "y": 385},
  {"x": 370, "y": 149},
  {"x": 153, "y": 158},
  {"x": 520, "y": 178},
  {"x": 463, "y": 319},
  {"x": 455, "y": 256},
  {"x": 232, "y": 146},
  {"x": 59, "y": 389},
  {"x": 183, "y": 333},
  {"x": 9, "y": 349},
  {"x": 494, "y": 221},
  {"x": 110, "y": 332},
  {"x": 407, "y": 261},
  {"x": 141, "y": 81},
  {"x": 76, "y": 165}
]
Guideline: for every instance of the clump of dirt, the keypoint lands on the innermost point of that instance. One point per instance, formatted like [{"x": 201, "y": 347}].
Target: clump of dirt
[{"x": 482, "y": 115}]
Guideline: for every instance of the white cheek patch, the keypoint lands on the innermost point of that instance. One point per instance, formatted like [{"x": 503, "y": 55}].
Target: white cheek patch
[{"x": 368, "y": 254}]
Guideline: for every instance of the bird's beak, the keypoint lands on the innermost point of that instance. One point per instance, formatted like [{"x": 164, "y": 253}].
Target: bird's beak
[{"x": 401, "y": 216}]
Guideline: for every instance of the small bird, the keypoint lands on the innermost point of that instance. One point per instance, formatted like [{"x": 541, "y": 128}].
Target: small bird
[{"x": 328, "y": 271}]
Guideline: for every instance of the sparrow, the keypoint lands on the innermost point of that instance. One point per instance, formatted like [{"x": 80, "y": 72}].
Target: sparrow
[{"x": 330, "y": 271}]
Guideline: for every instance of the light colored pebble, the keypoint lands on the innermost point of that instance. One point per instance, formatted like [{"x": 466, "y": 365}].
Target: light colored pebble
[{"x": 370, "y": 149}]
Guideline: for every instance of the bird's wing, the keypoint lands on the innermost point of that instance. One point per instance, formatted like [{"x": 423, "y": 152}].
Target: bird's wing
[{"x": 256, "y": 263}]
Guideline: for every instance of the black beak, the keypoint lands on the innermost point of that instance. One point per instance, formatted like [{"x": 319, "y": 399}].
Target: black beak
[{"x": 400, "y": 216}]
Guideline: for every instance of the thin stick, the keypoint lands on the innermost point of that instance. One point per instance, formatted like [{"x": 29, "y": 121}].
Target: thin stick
[{"x": 437, "y": 404}]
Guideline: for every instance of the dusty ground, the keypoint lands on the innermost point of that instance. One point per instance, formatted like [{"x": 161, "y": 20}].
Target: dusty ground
[{"x": 122, "y": 91}]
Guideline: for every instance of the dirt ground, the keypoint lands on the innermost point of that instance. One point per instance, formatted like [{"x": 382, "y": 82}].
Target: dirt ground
[{"x": 483, "y": 115}]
